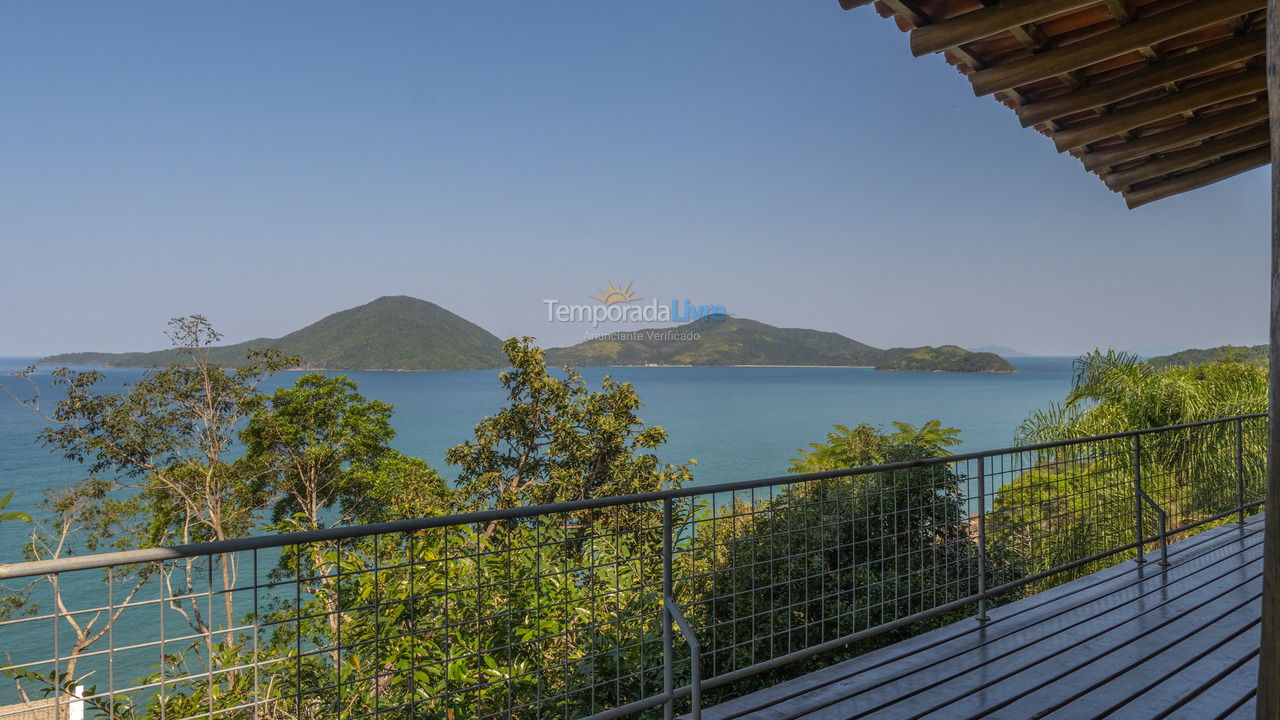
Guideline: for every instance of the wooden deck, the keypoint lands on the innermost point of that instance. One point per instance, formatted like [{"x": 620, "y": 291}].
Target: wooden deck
[{"x": 1132, "y": 641}]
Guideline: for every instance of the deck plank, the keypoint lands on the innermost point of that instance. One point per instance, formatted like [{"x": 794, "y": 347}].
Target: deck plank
[
  {"x": 1000, "y": 661},
  {"x": 1128, "y": 641},
  {"x": 919, "y": 654},
  {"x": 1241, "y": 681},
  {"x": 1041, "y": 663},
  {"x": 1164, "y": 673}
]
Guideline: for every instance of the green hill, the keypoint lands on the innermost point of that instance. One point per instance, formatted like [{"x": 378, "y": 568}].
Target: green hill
[
  {"x": 1251, "y": 354},
  {"x": 738, "y": 341},
  {"x": 944, "y": 358},
  {"x": 390, "y": 333}
]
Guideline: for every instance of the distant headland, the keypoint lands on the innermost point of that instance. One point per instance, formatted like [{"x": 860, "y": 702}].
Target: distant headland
[{"x": 407, "y": 334}]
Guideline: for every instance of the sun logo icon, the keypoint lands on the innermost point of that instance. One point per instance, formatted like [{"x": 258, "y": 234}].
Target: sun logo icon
[{"x": 611, "y": 295}]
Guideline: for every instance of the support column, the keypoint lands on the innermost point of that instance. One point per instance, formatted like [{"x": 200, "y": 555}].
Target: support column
[{"x": 1269, "y": 659}]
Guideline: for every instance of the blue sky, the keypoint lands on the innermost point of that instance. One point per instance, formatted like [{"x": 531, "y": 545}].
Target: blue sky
[{"x": 268, "y": 163}]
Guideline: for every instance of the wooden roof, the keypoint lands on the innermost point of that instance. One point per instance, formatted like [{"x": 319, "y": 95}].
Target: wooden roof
[{"x": 1157, "y": 97}]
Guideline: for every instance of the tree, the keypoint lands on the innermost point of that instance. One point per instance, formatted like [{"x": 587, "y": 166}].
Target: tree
[
  {"x": 557, "y": 441},
  {"x": 325, "y": 453},
  {"x": 844, "y": 448},
  {"x": 931, "y": 436},
  {"x": 312, "y": 441},
  {"x": 1077, "y": 500},
  {"x": 161, "y": 471},
  {"x": 1116, "y": 392},
  {"x": 550, "y": 615},
  {"x": 78, "y": 519},
  {"x": 821, "y": 559},
  {"x": 868, "y": 445}
]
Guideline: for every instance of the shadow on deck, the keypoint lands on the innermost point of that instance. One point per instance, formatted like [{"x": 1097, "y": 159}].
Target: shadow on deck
[{"x": 1132, "y": 641}]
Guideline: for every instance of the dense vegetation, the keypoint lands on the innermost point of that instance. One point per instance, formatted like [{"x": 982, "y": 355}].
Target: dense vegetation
[
  {"x": 945, "y": 358},
  {"x": 720, "y": 340},
  {"x": 1077, "y": 501},
  {"x": 390, "y": 333},
  {"x": 1248, "y": 354},
  {"x": 556, "y": 614}
]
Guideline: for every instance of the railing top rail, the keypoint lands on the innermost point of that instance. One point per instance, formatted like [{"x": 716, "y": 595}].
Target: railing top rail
[{"x": 262, "y": 542}]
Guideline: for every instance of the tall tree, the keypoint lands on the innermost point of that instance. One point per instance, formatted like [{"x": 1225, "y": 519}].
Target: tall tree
[
  {"x": 161, "y": 468},
  {"x": 1115, "y": 392},
  {"x": 557, "y": 440},
  {"x": 311, "y": 440}
]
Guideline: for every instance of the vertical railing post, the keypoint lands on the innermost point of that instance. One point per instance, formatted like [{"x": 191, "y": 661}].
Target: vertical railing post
[
  {"x": 982, "y": 539},
  {"x": 1240, "y": 468},
  {"x": 1137, "y": 495},
  {"x": 668, "y": 653}
]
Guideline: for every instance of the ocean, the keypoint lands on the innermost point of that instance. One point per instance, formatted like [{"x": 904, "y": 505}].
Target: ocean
[{"x": 739, "y": 423}]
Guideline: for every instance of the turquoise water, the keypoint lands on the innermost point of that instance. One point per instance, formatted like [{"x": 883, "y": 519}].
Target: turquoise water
[{"x": 739, "y": 423}]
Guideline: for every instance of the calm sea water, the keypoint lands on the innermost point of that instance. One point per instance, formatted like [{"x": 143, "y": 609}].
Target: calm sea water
[{"x": 739, "y": 423}]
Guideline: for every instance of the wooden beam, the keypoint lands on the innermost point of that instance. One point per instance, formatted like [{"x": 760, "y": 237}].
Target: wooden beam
[
  {"x": 1176, "y": 137},
  {"x": 1187, "y": 159},
  {"x": 1267, "y": 701},
  {"x": 1247, "y": 83},
  {"x": 851, "y": 4},
  {"x": 1200, "y": 178},
  {"x": 907, "y": 10},
  {"x": 1156, "y": 75},
  {"x": 986, "y": 22},
  {"x": 1120, "y": 10},
  {"x": 1110, "y": 44}
]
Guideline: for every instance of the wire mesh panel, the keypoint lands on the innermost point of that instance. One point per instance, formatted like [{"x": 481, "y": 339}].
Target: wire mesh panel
[{"x": 558, "y": 611}]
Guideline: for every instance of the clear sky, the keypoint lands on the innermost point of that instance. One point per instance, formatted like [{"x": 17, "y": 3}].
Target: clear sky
[{"x": 268, "y": 163}]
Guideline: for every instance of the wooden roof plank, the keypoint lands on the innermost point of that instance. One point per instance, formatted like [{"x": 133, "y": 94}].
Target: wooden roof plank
[
  {"x": 1157, "y": 75},
  {"x": 1176, "y": 137},
  {"x": 986, "y": 22},
  {"x": 1217, "y": 172},
  {"x": 1125, "y": 39},
  {"x": 1187, "y": 159},
  {"x": 1171, "y": 92},
  {"x": 1247, "y": 83}
]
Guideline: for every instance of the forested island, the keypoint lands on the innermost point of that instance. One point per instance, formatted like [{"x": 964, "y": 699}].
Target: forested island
[
  {"x": 391, "y": 333},
  {"x": 721, "y": 340},
  {"x": 407, "y": 334},
  {"x": 1248, "y": 354}
]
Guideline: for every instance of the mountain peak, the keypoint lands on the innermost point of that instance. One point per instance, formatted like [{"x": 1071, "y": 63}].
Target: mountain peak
[{"x": 393, "y": 332}]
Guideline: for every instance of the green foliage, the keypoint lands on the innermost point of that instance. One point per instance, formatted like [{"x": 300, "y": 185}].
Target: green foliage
[
  {"x": 1061, "y": 511},
  {"x": 1247, "y": 354},
  {"x": 845, "y": 448},
  {"x": 867, "y": 445},
  {"x": 316, "y": 444},
  {"x": 811, "y": 563},
  {"x": 1078, "y": 500},
  {"x": 931, "y": 437},
  {"x": 170, "y": 436},
  {"x": 944, "y": 358},
  {"x": 1115, "y": 392},
  {"x": 558, "y": 441},
  {"x": 12, "y": 515},
  {"x": 721, "y": 340},
  {"x": 390, "y": 333}
]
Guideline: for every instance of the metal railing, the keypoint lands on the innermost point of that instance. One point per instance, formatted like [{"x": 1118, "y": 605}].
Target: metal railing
[{"x": 570, "y": 609}]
